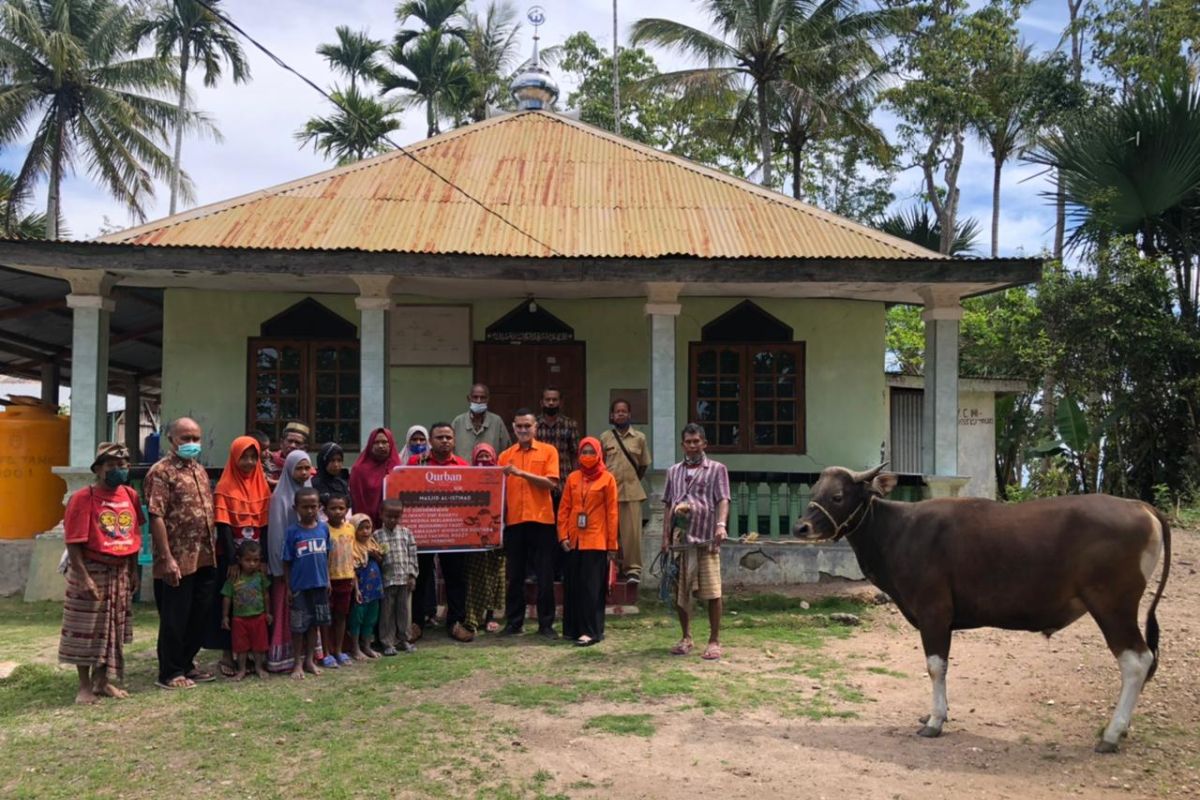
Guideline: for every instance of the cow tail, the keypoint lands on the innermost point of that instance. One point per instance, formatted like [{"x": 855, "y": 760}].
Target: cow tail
[{"x": 1151, "y": 619}]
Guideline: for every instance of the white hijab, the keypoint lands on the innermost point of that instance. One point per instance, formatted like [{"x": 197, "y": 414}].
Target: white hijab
[
  {"x": 283, "y": 511},
  {"x": 405, "y": 455}
]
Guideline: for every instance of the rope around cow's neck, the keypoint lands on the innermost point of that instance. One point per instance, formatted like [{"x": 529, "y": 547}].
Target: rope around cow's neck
[{"x": 838, "y": 528}]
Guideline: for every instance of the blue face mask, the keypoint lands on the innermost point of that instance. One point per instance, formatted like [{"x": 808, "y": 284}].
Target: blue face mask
[
  {"x": 188, "y": 450},
  {"x": 115, "y": 477},
  {"x": 418, "y": 449}
]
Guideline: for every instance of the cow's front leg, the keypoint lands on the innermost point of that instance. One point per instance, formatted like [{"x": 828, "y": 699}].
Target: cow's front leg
[{"x": 937, "y": 657}]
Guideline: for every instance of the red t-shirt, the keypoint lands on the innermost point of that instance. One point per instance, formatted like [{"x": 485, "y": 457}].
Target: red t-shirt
[
  {"x": 453, "y": 461},
  {"x": 106, "y": 521}
]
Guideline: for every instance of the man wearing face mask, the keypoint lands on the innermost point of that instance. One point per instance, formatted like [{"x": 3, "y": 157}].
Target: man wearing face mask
[
  {"x": 562, "y": 433},
  {"x": 477, "y": 424},
  {"x": 628, "y": 457},
  {"x": 183, "y": 535}
]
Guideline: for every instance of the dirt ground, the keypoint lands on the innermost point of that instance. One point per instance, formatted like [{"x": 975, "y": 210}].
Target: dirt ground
[{"x": 1024, "y": 715}]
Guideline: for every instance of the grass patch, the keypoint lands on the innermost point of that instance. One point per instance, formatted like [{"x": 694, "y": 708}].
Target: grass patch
[
  {"x": 420, "y": 714},
  {"x": 891, "y": 673},
  {"x": 622, "y": 724}
]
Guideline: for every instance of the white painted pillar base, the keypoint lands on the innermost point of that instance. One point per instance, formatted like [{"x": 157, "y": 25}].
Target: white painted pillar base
[
  {"x": 944, "y": 486},
  {"x": 89, "y": 374},
  {"x": 373, "y": 367},
  {"x": 939, "y": 450}
]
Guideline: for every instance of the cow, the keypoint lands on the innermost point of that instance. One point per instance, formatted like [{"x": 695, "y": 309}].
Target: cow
[{"x": 960, "y": 563}]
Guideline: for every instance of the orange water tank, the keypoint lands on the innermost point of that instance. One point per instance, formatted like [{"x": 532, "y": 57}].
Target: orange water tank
[{"x": 32, "y": 440}]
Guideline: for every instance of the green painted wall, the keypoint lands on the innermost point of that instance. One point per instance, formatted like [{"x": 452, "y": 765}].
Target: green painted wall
[
  {"x": 204, "y": 356},
  {"x": 204, "y": 365},
  {"x": 845, "y": 386},
  {"x": 617, "y": 336}
]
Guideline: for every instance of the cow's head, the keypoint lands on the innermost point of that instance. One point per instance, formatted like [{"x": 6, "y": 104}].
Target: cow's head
[{"x": 840, "y": 500}]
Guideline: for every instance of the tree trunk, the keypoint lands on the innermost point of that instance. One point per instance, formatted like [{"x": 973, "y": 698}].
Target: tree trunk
[
  {"x": 52, "y": 191},
  {"x": 616, "y": 52},
  {"x": 1060, "y": 216},
  {"x": 797, "y": 172},
  {"x": 430, "y": 119},
  {"x": 997, "y": 165},
  {"x": 948, "y": 219},
  {"x": 180, "y": 110},
  {"x": 764, "y": 133}
]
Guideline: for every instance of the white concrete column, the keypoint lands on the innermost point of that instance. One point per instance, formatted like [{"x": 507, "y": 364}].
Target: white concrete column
[
  {"x": 89, "y": 374},
  {"x": 374, "y": 303},
  {"x": 662, "y": 382},
  {"x": 939, "y": 450}
]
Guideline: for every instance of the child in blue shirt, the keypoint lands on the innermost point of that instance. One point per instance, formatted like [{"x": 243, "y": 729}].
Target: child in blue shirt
[{"x": 306, "y": 570}]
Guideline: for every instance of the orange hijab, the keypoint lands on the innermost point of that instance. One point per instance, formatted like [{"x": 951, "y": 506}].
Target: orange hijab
[
  {"x": 596, "y": 470},
  {"x": 242, "y": 501}
]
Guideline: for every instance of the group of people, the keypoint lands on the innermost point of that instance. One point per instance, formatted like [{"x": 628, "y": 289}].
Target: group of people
[{"x": 289, "y": 567}]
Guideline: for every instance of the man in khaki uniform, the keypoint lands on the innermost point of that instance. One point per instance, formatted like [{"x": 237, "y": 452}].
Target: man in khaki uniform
[{"x": 627, "y": 456}]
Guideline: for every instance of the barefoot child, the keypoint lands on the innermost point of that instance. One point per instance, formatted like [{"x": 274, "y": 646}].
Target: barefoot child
[
  {"x": 368, "y": 588},
  {"x": 399, "y": 578},
  {"x": 306, "y": 570},
  {"x": 245, "y": 610}
]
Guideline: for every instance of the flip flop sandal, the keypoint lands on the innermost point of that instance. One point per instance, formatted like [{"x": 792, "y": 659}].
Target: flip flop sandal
[
  {"x": 682, "y": 648},
  {"x": 176, "y": 683},
  {"x": 200, "y": 676},
  {"x": 226, "y": 670},
  {"x": 712, "y": 653}
]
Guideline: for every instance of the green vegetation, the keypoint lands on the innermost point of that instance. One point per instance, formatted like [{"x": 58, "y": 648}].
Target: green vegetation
[
  {"x": 445, "y": 717},
  {"x": 622, "y": 724}
]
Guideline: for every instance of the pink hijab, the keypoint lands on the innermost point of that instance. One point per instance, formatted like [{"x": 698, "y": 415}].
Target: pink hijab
[{"x": 367, "y": 474}]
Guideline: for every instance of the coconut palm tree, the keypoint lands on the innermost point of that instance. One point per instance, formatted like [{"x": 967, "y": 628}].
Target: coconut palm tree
[
  {"x": 832, "y": 73},
  {"x": 1017, "y": 95},
  {"x": 749, "y": 50},
  {"x": 20, "y": 225},
  {"x": 432, "y": 59},
  {"x": 70, "y": 77},
  {"x": 186, "y": 29},
  {"x": 354, "y": 131},
  {"x": 355, "y": 55},
  {"x": 494, "y": 51},
  {"x": 1134, "y": 169},
  {"x": 920, "y": 226}
]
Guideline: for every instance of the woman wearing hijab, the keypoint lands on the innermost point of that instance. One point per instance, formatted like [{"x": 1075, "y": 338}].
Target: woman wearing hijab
[
  {"x": 379, "y": 457},
  {"x": 587, "y": 532},
  {"x": 241, "y": 506},
  {"x": 416, "y": 443},
  {"x": 330, "y": 478},
  {"x": 293, "y": 478},
  {"x": 485, "y": 569}
]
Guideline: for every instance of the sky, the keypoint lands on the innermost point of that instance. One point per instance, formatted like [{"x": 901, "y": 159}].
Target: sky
[{"x": 257, "y": 120}]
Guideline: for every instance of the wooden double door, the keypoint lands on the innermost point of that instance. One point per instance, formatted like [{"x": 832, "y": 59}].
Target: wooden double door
[{"x": 517, "y": 374}]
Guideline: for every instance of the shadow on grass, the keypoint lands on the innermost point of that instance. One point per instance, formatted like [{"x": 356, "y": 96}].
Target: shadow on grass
[{"x": 35, "y": 687}]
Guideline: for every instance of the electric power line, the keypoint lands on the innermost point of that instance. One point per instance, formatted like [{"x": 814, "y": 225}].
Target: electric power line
[{"x": 405, "y": 151}]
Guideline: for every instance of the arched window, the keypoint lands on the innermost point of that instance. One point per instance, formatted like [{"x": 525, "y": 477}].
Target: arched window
[
  {"x": 305, "y": 366},
  {"x": 746, "y": 379}
]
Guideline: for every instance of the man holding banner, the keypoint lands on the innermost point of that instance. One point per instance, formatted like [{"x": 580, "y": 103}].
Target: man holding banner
[{"x": 532, "y": 472}]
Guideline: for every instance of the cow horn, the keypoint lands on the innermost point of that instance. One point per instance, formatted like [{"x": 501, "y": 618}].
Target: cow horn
[{"x": 869, "y": 475}]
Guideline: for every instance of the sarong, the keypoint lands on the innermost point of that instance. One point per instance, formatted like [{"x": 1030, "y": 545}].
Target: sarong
[
  {"x": 279, "y": 654},
  {"x": 95, "y": 631}
]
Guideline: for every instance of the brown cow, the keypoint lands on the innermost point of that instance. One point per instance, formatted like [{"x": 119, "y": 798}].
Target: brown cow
[{"x": 961, "y": 563}]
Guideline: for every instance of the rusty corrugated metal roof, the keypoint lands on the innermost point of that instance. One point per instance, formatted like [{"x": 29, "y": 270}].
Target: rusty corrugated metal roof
[{"x": 572, "y": 190}]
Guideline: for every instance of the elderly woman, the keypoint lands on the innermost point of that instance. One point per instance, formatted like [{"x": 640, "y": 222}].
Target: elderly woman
[
  {"x": 485, "y": 570},
  {"x": 103, "y": 536}
]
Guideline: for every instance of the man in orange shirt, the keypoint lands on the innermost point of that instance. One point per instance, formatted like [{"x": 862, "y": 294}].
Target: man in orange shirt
[{"x": 531, "y": 468}]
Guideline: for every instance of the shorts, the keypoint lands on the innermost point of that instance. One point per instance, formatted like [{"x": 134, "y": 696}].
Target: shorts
[
  {"x": 310, "y": 609},
  {"x": 341, "y": 595},
  {"x": 249, "y": 634},
  {"x": 699, "y": 574}
]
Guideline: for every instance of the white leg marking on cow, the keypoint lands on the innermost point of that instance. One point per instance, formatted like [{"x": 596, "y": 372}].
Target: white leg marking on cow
[
  {"x": 937, "y": 673},
  {"x": 1154, "y": 547},
  {"x": 1134, "y": 667}
]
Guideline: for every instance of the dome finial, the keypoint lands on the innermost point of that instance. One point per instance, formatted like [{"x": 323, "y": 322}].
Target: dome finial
[{"x": 533, "y": 88}]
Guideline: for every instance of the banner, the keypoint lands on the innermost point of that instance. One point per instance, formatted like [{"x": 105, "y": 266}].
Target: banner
[{"x": 450, "y": 508}]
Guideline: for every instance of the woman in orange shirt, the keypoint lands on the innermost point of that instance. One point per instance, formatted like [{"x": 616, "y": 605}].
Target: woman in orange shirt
[{"x": 587, "y": 531}]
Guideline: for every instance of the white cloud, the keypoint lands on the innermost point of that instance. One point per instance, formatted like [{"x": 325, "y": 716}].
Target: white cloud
[{"x": 258, "y": 119}]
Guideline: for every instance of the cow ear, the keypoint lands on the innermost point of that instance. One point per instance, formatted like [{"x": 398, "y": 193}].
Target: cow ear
[{"x": 884, "y": 483}]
